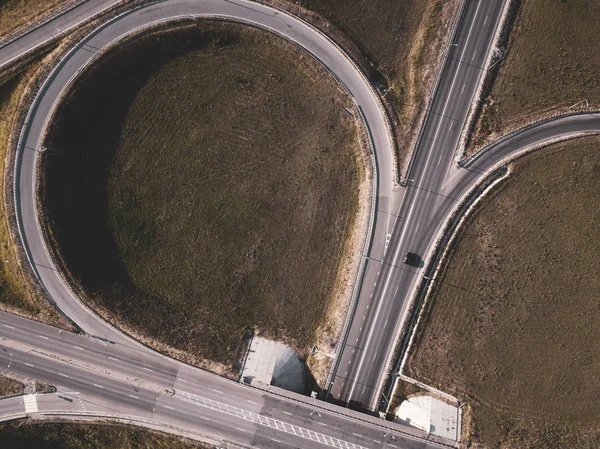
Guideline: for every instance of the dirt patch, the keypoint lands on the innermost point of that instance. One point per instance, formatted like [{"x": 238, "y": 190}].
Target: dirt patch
[
  {"x": 551, "y": 64},
  {"x": 515, "y": 321},
  {"x": 32, "y": 435},
  {"x": 204, "y": 182}
]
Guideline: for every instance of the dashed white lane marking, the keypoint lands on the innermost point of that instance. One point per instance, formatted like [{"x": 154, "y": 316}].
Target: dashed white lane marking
[
  {"x": 10, "y": 327},
  {"x": 98, "y": 386},
  {"x": 357, "y": 434},
  {"x": 170, "y": 408},
  {"x": 410, "y": 212},
  {"x": 30, "y": 403},
  {"x": 322, "y": 424},
  {"x": 28, "y": 364},
  {"x": 484, "y": 22},
  {"x": 205, "y": 418},
  {"x": 377, "y": 441},
  {"x": 375, "y": 284},
  {"x": 132, "y": 396},
  {"x": 113, "y": 358},
  {"x": 251, "y": 402},
  {"x": 386, "y": 321},
  {"x": 242, "y": 430},
  {"x": 378, "y": 273},
  {"x": 147, "y": 369},
  {"x": 353, "y": 351},
  {"x": 357, "y": 339},
  {"x": 77, "y": 347},
  {"x": 474, "y": 55},
  {"x": 63, "y": 375},
  {"x": 287, "y": 413},
  {"x": 359, "y": 330},
  {"x": 397, "y": 287},
  {"x": 217, "y": 391},
  {"x": 375, "y": 355},
  {"x": 183, "y": 380},
  {"x": 463, "y": 89},
  {"x": 364, "y": 317},
  {"x": 276, "y": 441},
  {"x": 368, "y": 305},
  {"x": 45, "y": 338}
]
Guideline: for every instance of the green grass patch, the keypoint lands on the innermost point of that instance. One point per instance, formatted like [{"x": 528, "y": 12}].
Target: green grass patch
[
  {"x": 202, "y": 182},
  {"x": 43, "y": 435},
  {"x": 514, "y": 327}
]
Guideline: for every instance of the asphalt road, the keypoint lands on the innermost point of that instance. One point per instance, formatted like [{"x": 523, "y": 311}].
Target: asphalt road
[
  {"x": 31, "y": 138},
  {"x": 98, "y": 378},
  {"x": 120, "y": 377},
  {"x": 388, "y": 282}
]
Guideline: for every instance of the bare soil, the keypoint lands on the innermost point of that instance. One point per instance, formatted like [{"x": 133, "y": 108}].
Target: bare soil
[
  {"x": 203, "y": 183},
  {"x": 514, "y": 326},
  {"x": 551, "y": 64}
]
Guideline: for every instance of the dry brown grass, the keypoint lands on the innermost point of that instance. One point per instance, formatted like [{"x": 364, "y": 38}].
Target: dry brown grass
[
  {"x": 17, "y": 14},
  {"x": 552, "y": 63},
  {"x": 34, "y": 435},
  {"x": 206, "y": 186},
  {"x": 514, "y": 327},
  {"x": 397, "y": 43},
  {"x": 10, "y": 386}
]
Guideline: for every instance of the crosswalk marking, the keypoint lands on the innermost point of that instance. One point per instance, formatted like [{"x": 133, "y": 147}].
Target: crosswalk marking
[{"x": 30, "y": 403}]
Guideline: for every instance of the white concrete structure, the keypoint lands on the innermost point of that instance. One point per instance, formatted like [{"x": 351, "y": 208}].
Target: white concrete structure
[
  {"x": 431, "y": 415},
  {"x": 273, "y": 363}
]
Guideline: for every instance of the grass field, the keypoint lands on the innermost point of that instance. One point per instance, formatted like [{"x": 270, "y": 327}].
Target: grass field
[
  {"x": 31, "y": 435},
  {"x": 205, "y": 186},
  {"x": 17, "y": 14},
  {"x": 398, "y": 44},
  {"x": 514, "y": 325},
  {"x": 552, "y": 63},
  {"x": 10, "y": 386}
]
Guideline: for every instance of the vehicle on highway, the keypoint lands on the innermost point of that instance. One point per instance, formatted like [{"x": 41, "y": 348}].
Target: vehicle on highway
[{"x": 412, "y": 259}]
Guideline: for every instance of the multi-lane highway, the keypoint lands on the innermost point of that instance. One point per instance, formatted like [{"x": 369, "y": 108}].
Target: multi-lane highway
[
  {"x": 99, "y": 378},
  {"x": 121, "y": 378},
  {"x": 389, "y": 282}
]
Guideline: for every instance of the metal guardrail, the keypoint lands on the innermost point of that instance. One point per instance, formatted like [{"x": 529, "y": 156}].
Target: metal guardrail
[
  {"x": 32, "y": 27},
  {"x": 344, "y": 331},
  {"x": 436, "y": 87},
  {"x": 466, "y": 162}
]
